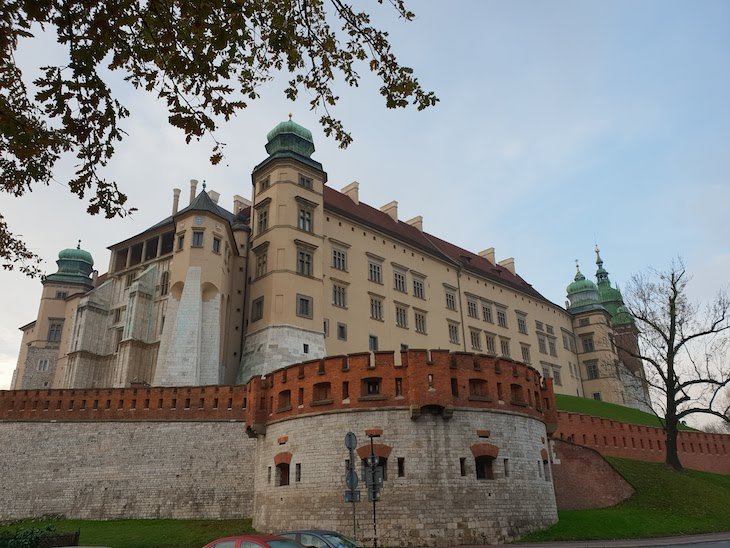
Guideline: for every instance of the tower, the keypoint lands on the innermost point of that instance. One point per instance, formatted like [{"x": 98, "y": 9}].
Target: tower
[{"x": 284, "y": 301}]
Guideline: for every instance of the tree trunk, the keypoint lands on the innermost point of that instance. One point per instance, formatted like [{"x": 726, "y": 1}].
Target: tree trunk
[{"x": 672, "y": 458}]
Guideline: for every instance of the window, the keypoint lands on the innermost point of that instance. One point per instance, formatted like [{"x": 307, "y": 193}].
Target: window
[
  {"x": 539, "y": 326},
  {"x": 263, "y": 185},
  {"x": 525, "y": 353},
  {"x": 304, "y": 262},
  {"x": 180, "y": 241},
  {"x": 522, "y": 324},
  {"x": 165, "y": 282},
  {"x": 501, "y": 317},
  {"x": 549, "y": 329},
  {"x": 342, "y": 331},
  {"x": 262, "y": 215},
  {"x": 476, "y": 339},
  {"x": 401, "y": 316},
  {"x": 339, "y": 295},
  {"x": 399, "y": 281},
  {"x": 551, "y": 346},
  {"x": 339, "y": 259},
  {"x": 566, "y": 345},
  {"x": 597, "y": 396},
  {"x": 542, "y": 344},
  {"x": 305, "y": 218},
  {"x": 298, "y": 472},
  {"x": 491, "y": 344},
  {"x": 304, "y": 306},
  {"x": 197, "y": 239},
  {"x": 282, "y": 474},
  {"x": 487, "y": 313},
  {"x": 418, "y": 288},
  {"x": 216, "y": 245},
  {"x": 261, "y": 264},
  {"x": 450, "y": 299},
  {"x": 61, "y": 294},
  {"x": 591, "y": 369},
  {"x": 471, "y": 308},
  {"x": 372, "y": 343},
  {"x": 321, "y": 392},
  {"x": 454, "y": 333},
  {"x": 504, "y": 347},
  {"x": 401, "y": 467},
  {"x": 129, "y": 280},
  {"x": 42, "y": 365},
  {"x": 375, "y": 272},
  {"x": 484, "y": 468},
  {"x": 420, "y": 321},
  {"x": 306, "y": 182},
  {"x": 326, "y": 327},
  {"x": 557, "y": 379},
  {"x": 376, "y": 308},
  {"x": 54, "y": 330},
  {"x": 478, "y": 388},
  {"x": 398, "y": 387},
  {"x": 371, "y": 386},
  {"x": 587, "y": 343},
  {"x": 462, "y": 466},
  {"x": 257, "y": 309}
]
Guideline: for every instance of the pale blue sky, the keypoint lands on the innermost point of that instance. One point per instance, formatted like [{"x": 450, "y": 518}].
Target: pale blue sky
[{"x": 560, "y": 124}]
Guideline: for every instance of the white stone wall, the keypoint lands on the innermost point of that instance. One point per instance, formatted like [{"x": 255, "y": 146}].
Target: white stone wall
[
  {"x": 433, "y": 504},
  {"x": 277, "y": 346},
  {"x": 180, "y": 470}
]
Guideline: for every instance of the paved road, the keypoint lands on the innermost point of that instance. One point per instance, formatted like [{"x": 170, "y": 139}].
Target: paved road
[{"x": 711, "y": 540}]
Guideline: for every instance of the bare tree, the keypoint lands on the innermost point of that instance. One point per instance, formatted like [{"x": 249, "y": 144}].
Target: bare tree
[{"x": 684, "y": 347}]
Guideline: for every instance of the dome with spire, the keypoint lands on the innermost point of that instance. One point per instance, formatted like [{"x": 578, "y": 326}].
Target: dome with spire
[
  {"x": 75, "y": 265},
  {"x": 610, "y": 297},
  {"x": 622, "y": 317},
  {"x": 288, "y": 136},
  {"x": 582, "y": 293}
]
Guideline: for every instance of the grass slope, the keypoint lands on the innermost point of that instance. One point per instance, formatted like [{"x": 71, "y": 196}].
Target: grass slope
[
  {"x": 665, "y": 503},
  {"x": 587, "y": 406},
  {"x": 144, "y": 533}
]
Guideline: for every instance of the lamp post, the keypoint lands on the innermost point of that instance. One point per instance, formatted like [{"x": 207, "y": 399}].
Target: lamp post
[{"x": 373, "y": 484}]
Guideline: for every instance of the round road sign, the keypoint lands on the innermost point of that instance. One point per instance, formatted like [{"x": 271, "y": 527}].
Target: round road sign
[{"x": 350, "y": 440}]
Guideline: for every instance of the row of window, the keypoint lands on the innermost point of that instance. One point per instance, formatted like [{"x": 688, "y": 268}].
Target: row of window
[{"x": 198, "y": 240}]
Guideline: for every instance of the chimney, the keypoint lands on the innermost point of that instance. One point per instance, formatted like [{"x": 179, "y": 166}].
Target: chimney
[
  {"x": 509, "y": 264},
  {"x": 417, "y": 222},
  {"x": 352, "y": 191},
  {"x": 391, "y": 209},
  {"x": 193, "y": 189},
  {"x": 215, "y": 196},
  {"x": 239, "y": 203},
  {"x": 488, "y": 254},
  {"x": 175, "y": 200}
]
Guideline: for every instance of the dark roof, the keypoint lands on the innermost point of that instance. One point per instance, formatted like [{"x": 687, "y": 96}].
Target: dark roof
[{"x": 375, "y": 218}]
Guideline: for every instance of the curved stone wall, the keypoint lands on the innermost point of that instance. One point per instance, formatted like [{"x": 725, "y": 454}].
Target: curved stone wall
[{"x": 431, "y": 494}]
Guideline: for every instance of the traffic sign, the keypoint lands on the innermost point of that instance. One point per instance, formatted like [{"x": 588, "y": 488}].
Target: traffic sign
[
  {"x": 351, "y": 479},
  {"x": 350, "y": 440},
  {"x": 352, "y": 496}
]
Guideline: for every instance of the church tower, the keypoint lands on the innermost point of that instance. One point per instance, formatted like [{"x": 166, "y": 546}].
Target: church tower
[{"x": 284, "y": 322}]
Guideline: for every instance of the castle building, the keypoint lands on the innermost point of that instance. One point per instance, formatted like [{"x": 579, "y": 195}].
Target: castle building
[{"x": 300, "y": 272}]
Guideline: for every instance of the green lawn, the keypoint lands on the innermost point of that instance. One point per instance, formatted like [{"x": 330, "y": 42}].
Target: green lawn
[
  {"x": 665, "y": 503},
  {"x": 145, "y": 533},
  {"x": 611, "y": 411}
]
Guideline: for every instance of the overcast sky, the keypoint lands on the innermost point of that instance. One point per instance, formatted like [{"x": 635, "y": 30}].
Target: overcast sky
[{"x": 561, "y": 124}]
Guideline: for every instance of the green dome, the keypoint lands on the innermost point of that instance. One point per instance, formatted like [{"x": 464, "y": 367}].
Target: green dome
[
  {"x": 74, "y": 266},
  {"x": 289, "y": 136},
  {"x": 622, "y": 316},
  {"x": 76, "y": 254},
  {"x": 582, "y": 293},
  {"x": 610, "y": 297}
]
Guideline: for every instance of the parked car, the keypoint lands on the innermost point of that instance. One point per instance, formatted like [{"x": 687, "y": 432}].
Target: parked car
[
  {"x": 254, "y": 541},
  {"x": 321, "y": 539}
]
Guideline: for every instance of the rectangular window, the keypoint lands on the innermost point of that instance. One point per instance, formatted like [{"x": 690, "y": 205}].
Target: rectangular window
[
  {"x": 476, "y": 339},
  {"x": 373, "y": 343},
  {"x": 491, "y": 344},
  {"x": 552, "y": 347},
  {"x": 345, "y": 390},
  {"x": 339, "y": 259},
  {"x": 450, "y": 299},
  {"x": 471, "y": 308},
  {"x": 504, "y": 347},
  {"x": 197, "y": 239},
  {"x": 538, "y": 326},
  {"x": 262, "y": 223},
  {"x": 542, "y": 344},
  {"x": 454, "y": 333},
  {"x": 304, "y": 262},
  {"x": 557, "y": 379},
  {"x": 525, "y": 353},
  {"x": 487, "y": 313},
  {"x": 306, "y": 182},
  {"x": 522, "y": 324},
  {"x": 591, "y": 369},
  {"x": 376, "y": 308},
  {"x": 261, "y": 265},
  {"x": 501, "y": 317},
  {"x": 216, "y": 245},
  {"x": 305, "y": 219},
  {"x": 298, "y": 472},
  {"x": 339, "y": 295},
  {"x": 180, "y": 241},
  {"x": 55, "y": 327},
  {"x": 42, "y": 365},
  {"x": 566, "y": 345},
  {"x": 597, "y": 396},
  {"x": 399, "y": 281},
  {"x": 401, "y": 467},
  {"x": 587, "y": 343},
  {"x": 375, "y": 272},
  {"x": 420, "y": 321},
  {"x": 549, "y": 329},
  {"x": 401, "y": 316},
  {"x": 257, "y": 309},
  {"x": 506, "y": 468},
  {"x": 342, "y": 331},
  {"x": 304, "y": 306},
  {"x": 61, "y": 294},
  {"x": 462, "y": 466},
  {"x": 419, "y": 288},
  {"x": 263, "y": 185},
  {"x": 326, "y": 327},
  {"x": 398, "y": 387}
]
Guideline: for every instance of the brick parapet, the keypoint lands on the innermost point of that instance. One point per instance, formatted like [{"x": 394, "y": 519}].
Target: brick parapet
[{"x": 697, "y": 450}]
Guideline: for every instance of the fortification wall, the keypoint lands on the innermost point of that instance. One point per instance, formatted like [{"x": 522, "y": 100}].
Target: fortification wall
[
  {"x": 107, "y": 470},
  {"x": 697, "y": 450},
  {"x": 431, "y": 494}
]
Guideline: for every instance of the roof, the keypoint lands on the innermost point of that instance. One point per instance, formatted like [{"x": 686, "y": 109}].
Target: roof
[{"x": 472, "y": 262}]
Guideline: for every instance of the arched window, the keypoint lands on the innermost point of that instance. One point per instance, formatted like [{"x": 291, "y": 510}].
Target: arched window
[
  {"x": 484, "y": 467},
  {"x": 282, "y": 473},
  {"x": 284, "y": 402}
]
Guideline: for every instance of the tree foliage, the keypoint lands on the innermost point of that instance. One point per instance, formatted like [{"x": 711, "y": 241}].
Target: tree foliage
[
  {"x": 206, "y": 59},
  {"x": 685, "y": 348}
]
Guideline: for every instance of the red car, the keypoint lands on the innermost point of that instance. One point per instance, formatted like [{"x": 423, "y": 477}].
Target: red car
[{"x": 253, "y": 541}]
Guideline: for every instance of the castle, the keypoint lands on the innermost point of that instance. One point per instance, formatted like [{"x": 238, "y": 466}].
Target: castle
[{"x": 302, "y": 271}]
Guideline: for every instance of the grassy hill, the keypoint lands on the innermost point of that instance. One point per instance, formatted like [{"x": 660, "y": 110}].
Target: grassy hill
[
  {"x": 606, "y": 410},
  {"x": 665, "y": 503}
]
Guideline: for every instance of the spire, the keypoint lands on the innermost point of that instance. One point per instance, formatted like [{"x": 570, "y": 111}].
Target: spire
[
  {"x": 599, "y": 261},
  {"x": 601, "y": 273}
]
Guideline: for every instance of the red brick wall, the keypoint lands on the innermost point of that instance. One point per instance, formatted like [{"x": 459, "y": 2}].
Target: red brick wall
[
  {"x": 583, "y": 479},
  {"x": 697, "y": 450}
]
